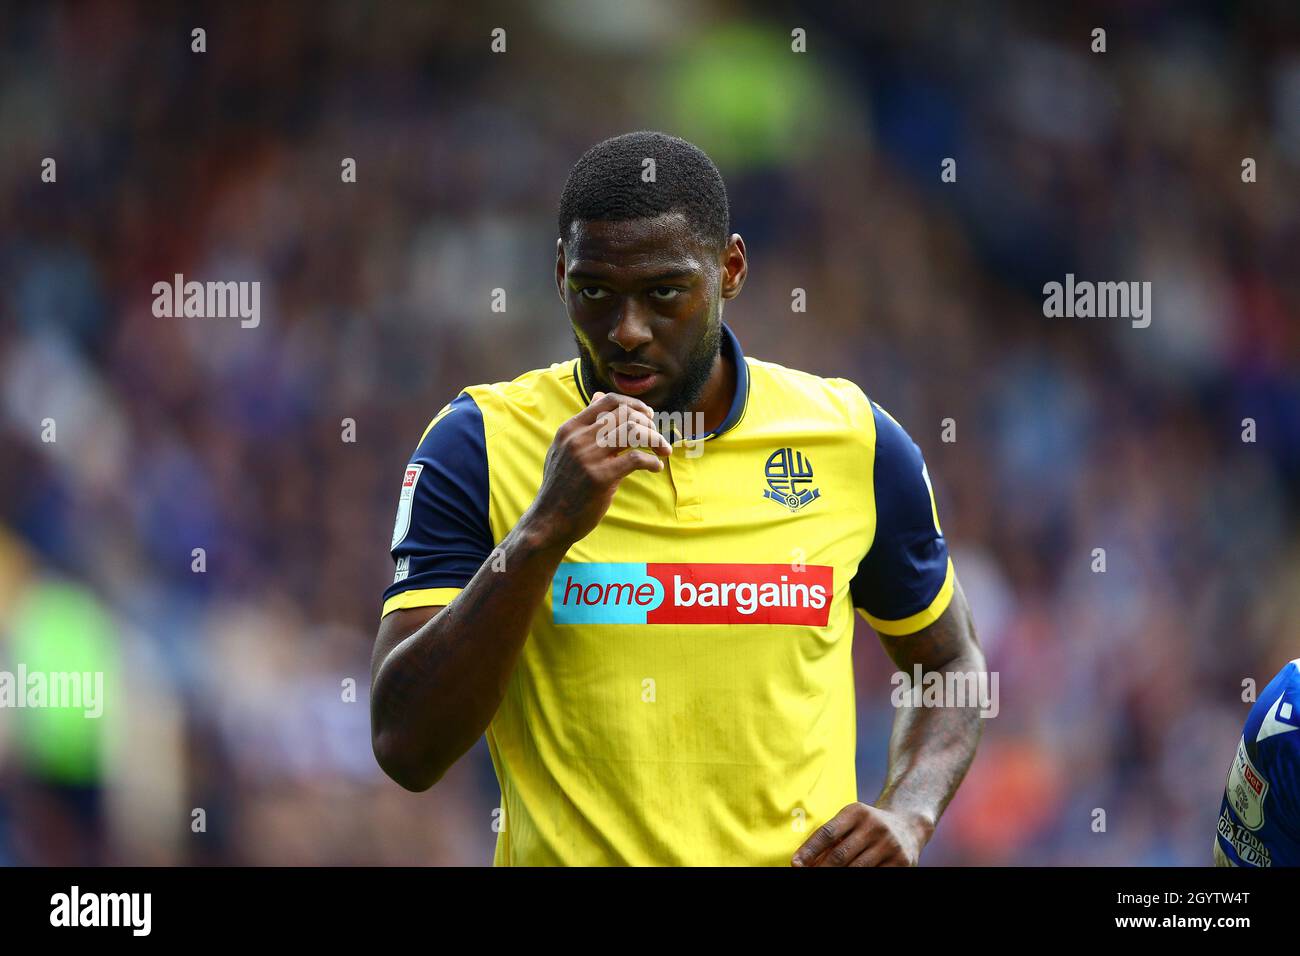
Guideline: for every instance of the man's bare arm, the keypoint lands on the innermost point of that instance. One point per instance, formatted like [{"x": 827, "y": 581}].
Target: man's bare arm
[
  {"x": 438, "y": 675},
  {"x": 930, "y": 750}
]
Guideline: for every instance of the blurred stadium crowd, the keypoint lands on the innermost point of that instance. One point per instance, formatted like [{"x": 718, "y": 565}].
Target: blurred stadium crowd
[{"x": 227, "y": 736}]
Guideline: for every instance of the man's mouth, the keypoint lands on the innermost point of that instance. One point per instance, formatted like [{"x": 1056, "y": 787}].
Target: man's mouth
[{"x": 634, "y": 379}]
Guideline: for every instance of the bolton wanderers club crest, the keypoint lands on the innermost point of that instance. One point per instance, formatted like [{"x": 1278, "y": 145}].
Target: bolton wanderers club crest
[{"x": 788, "y": 475}]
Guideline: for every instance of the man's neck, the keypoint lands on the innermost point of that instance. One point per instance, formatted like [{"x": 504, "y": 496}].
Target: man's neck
[{"x": 719, "y": 393}]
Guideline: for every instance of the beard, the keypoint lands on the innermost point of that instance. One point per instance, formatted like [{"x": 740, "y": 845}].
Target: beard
[{"x": 687, "y": 390}]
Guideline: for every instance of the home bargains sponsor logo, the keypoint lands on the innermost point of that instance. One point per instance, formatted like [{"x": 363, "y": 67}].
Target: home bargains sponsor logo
[{"x": 632, "y": 593}]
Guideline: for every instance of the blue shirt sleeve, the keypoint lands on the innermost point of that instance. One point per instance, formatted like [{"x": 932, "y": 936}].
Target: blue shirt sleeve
[
  {"x": 442, "y": 536},
  {"x": 904, "y": 582},
  {"x": 1259, "y": 815}
]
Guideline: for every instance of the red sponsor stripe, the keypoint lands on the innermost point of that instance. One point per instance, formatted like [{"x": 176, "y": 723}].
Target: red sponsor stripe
[
  {"x": 743, "y": 594},
  {"x": 1256, "y": 784}
]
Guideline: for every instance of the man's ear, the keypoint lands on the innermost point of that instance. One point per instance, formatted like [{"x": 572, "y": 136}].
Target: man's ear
[
  {"x": 735, "y": 267},
  {"x": 559, "y": 270}
]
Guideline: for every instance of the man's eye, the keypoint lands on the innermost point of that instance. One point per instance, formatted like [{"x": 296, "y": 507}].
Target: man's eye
[
  {"x": 665, "y": 293},
  {"x": 593, "y": 292}
]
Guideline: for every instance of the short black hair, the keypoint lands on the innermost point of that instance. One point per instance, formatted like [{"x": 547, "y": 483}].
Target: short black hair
[{"x": 606, "y": 184}]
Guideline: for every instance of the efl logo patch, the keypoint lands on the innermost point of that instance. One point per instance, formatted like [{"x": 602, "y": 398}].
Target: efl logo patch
[
  {"x": 403, "y": 523},
  {"x": 632, "y": 593},
  {"x": 788, "y": 474},
  {"x": 1247, "y": 789}
]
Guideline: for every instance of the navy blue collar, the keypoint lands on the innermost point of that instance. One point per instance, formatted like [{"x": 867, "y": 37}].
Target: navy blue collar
[{"x": 731, "y": 349}]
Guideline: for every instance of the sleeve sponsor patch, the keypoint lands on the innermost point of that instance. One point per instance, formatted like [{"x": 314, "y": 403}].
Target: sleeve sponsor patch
[
  {"x": 403, "y": 523},
  {"x": 1247, "y": 789}
]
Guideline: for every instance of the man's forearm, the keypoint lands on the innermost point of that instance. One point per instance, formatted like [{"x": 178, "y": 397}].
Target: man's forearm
[
  {"x": 930, "y": 750},
  {"x": 436, "y": 692}
]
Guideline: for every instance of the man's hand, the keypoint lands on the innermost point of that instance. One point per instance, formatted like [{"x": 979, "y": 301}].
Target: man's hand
[
  {"x": 863, "y": 835},
  {"x": 591, "y": 455}
]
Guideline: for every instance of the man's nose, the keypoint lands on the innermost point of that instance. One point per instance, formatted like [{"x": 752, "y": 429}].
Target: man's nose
[{"x": 632, "y": 330}]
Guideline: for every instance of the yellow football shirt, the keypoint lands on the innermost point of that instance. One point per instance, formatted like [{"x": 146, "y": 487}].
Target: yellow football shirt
[{"x": 685, "y": 694}]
